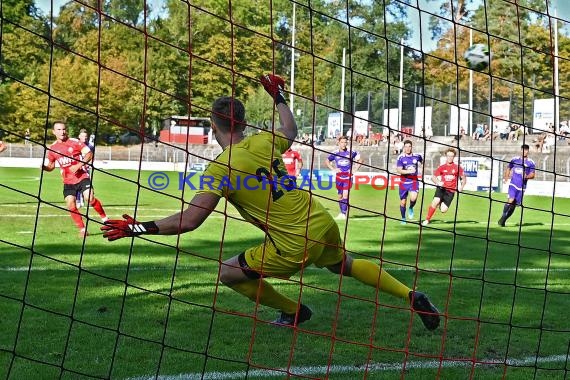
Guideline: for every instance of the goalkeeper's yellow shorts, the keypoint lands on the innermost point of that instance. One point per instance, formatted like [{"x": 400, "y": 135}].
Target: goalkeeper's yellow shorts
[{"x": 265, "y": 259}]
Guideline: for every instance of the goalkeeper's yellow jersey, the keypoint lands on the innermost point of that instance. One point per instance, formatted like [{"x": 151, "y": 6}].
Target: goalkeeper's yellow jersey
[{"x": 252, "y": 177}]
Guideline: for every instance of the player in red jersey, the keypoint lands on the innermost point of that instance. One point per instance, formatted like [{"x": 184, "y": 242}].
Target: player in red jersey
[
  {"x": 3, "y": 146},
  {"x": 68, "y": 153},
  {"x": 293, "y": 162},
  {"x": 445, "y": 178}
]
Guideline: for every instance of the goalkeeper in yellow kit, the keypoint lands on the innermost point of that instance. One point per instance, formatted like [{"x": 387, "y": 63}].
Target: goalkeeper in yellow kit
[{"x": 299, "y": 231}]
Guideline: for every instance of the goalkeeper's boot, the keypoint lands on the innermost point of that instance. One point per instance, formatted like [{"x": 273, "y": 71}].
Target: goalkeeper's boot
[
  {"x": 304, "y": 314},
  {"x": 425, "y": 309}
]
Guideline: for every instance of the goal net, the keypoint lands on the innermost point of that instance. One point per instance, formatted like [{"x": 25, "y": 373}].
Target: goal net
[{"x": 140, "y": 78}]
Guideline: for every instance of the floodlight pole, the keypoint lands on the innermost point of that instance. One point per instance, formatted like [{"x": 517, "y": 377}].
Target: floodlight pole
[
  {"x": 292, "y": 86},
  {"x": 556, "y": 84},
  {"x": 401, "y": 92},
  {"x": 342, "y": 79},
  {"x": 471, "y": 88}
]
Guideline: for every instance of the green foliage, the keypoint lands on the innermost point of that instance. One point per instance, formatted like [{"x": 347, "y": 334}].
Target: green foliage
[{"x": 521, "y": 51}]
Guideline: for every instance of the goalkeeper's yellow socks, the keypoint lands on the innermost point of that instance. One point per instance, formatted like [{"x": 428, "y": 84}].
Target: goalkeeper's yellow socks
[
  {"x": 370, "y": 273},
  {"x": 266, "y": 294}
]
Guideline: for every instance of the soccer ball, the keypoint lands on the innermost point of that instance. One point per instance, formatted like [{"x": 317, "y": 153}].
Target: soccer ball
[{"x": 477, "y": 57}]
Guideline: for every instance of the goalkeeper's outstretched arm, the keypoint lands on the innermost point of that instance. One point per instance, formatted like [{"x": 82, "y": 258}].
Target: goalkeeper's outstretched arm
[
  {"x": 200, "y": 208},
  {"x": 275, "y": 86},
  {"x": 197, "y": 212}
]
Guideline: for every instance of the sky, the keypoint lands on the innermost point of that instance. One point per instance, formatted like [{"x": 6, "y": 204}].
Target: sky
[
  {"x": 562, "y": 6},
  {"x": 45, "y": 5}
]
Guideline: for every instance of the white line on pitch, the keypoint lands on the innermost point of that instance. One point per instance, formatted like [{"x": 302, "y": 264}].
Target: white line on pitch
[
  {"x": 348, "y": 369},
  {"x": 237, "y": 216},
  {"x": 183, "y": 267}
]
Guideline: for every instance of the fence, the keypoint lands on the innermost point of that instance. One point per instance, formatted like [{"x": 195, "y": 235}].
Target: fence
[{"x": 553, "y": 166}]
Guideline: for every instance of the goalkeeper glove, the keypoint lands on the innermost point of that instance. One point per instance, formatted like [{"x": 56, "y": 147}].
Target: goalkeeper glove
[
  {"x": 275, "y": 86},
  {"x": 127, "y": 227}
]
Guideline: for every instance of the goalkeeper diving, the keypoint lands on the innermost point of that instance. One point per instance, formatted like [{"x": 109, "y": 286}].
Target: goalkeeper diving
[{"x": 299, "y": 231}]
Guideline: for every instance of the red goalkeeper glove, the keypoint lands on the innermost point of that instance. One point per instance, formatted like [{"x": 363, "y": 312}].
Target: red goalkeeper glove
[
  {"x": 127, "y": 227},
  {"x": 275, "y": 86}
]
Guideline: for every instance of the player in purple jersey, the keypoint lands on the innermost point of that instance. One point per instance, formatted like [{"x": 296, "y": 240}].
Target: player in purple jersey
[
  {"x": 343, "y": 167},
  {"x": 408, "y": 166},
  {"x": 519, "y": 170}
]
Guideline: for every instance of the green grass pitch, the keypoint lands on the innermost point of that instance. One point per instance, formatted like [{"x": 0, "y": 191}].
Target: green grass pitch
[{"x": 76, "y": 309}]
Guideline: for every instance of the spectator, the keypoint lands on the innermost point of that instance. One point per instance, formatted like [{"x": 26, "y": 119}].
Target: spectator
[
  {"x": 397, "y": 143},
  {"x": 545, "y": 140},
  {"x": 479, "y": 133},
  {"x": 539, "y": 141},
  {"x": 486, "y": 133},
  {"x": 494, "y": 131},
  {"x": 564, "y": 130},
  {"x": 513, "y": 133},
  {"x": 550, "y": 139},
  {"x": 375, "y": 139},
  {"x": 458, "y": 137},
  {"x": 504, "y": 131}
]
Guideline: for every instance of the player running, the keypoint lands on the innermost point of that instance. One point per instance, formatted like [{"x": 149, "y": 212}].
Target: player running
[
  {"x": 298, "y": 229},
  {"x": 519, "y": 170},
  {"x": 408, "y": 166},
  {"x": 445, "y": 178},
  {"x": 84, "y": 138},
  {"x": 71, "y": 156},
  {"x": 346, "y": 162},
  {"x": 293, "y": 162}
]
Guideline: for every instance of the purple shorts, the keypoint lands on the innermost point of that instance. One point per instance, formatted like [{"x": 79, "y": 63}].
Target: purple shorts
[
  {"x": 408, "y": 186},
  {"x": 343, "y": 182},
  {"x": 516, "y": 194}
]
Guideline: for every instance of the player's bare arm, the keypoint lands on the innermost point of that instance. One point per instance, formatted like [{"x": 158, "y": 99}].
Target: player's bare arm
[
  {"x": 87, "y": 155},
  {"x": 49, "y": 166},
  {"x": 299, "y": 166},
  {"x": 357, "y": 163},
  {"x": 435, "y": 179},
  {"x": 507, "y": 175},
  {"x": 331, "y": 167},
  {"x": 530, "y": 176},
  {"x": 86, "y": 159},
  {"x": 463, "y": 180}
]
